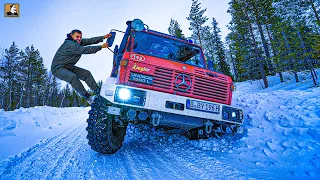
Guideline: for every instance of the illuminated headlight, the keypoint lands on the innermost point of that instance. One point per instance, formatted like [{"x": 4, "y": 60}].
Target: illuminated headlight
[
  {"x": 233, "y": 114},
  {"x": 124, "y": 94},
  {"x": 131, "y": 96}
]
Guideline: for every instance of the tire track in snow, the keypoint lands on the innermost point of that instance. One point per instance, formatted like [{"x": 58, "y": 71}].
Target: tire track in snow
[
  {"x": 135, "y": 165},
  {"x": 145, "y": 161},
  {"x": 164, "y": 167},
  {"x": 195, "y": 164},
  {"x": 68, "y": 156},
  {"x": 159, "y": 168},
  {"x": 63, "y": 161},
  {"x": 150, "y": 167},
  {"x": 35, "y": 161},
  {"x": 138, "y": 161},
  {"x": 9, "y": 164}
]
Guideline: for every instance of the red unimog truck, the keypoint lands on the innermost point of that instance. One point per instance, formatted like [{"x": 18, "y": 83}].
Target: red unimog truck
[{"x": 164, "y": 81}]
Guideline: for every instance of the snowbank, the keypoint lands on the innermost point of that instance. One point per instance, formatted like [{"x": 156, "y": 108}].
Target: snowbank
[{"x": 25, "y": 127}]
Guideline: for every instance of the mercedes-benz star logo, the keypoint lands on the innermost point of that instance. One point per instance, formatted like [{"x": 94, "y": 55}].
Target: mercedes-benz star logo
[{"x": 185, "y": 84}]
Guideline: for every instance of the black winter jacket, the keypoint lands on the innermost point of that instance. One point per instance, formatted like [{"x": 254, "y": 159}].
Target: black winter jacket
[{"x": 70, "y": 51}]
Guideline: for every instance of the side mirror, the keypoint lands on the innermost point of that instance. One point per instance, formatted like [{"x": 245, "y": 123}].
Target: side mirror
[{"x": 111, "y": 39}]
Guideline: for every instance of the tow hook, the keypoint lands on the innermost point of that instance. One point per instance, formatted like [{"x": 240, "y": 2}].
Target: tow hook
[
  {"x": 155, "y": 119},
  {"x": 208, "y": 127},
  {"x": 116, "y": 119},
  {"x": 131, "y": 114}
]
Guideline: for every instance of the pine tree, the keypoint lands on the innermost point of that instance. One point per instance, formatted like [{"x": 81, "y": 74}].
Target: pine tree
[
  {"x": 261, "y": 10},
  {"x": 46, "y": 91},
  {"x": 197, "y": 19},
  {"x": 315, "y": 5},
  {"x": 295, "y": 18},
  {"x": 66, "y": 94},
  {"x": 209, "y": 48},
  {"x": 239, "y": 50},
  {"x": 54, "y": 95},
  {"x": 20, "y": 86},
  {"x": 257, "y": 53},
  {"x": 39, "y": 78},
  {"x": 2, "y": 88},
  {"x": 248, "y": 53},
  {"x": 10, "y": 74},
  {"x": 35, "y": 74},
  {"x": 311, "y": 10},
  {"x": 231, "y": 58},
  {"x": 219, "y": 48},
  {"x": 75, "y": 98},
  {"x": 174, "y": 29}
]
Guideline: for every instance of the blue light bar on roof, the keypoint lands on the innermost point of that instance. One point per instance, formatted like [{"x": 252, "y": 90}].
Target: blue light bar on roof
[{"x": 137, "y": 25}]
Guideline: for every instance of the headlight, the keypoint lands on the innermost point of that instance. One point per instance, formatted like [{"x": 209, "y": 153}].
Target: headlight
[
  {"x": 124, "y": 94},
  {"x": 232, "y": 114},
  {"x": 131, "y": 96}
]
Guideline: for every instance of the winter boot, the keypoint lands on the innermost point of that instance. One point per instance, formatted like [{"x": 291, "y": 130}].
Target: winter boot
[
  {"x": 97, "y": 91},
  {"x": 90, "y": 99}
]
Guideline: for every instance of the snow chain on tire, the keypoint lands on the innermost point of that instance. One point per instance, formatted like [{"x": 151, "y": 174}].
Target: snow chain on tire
[{"x": 104, "y": 134}]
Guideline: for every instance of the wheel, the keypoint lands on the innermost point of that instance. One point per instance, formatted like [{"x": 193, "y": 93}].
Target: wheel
[{"x": 105, "y": 134}]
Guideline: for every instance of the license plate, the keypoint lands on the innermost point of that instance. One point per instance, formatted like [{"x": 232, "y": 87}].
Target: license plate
[
  {"x": 203, "y": 106},
  {"x": 141, "y": 78}
]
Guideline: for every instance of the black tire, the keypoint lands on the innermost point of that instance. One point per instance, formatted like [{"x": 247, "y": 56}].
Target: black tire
[{"x": 105, "y": 135}]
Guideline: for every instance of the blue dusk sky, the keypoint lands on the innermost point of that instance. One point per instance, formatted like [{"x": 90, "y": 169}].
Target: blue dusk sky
[{"x": 45, "y": 24}]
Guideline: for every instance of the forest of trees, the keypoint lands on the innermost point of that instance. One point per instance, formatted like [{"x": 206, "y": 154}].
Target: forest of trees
[
  {"x": 267, "y": 37},
  {"x": 25, "y": 82}
]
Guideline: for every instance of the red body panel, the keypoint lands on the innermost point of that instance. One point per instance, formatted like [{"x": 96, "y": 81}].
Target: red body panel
[{"x": 205, "y": 84}]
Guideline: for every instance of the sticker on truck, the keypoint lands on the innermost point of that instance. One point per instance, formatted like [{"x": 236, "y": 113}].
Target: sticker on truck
[
  {"x": 141, "y": 78},
  {"x": 137, "y": 57}
]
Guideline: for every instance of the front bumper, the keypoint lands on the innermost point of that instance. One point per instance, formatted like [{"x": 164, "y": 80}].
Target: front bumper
[{"x": 170, "y": 103}]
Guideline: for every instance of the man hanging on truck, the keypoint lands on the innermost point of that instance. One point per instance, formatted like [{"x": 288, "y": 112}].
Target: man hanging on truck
[{"x": 63, "y": 64}]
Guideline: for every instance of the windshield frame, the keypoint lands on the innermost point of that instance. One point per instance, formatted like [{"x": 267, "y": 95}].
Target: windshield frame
[{"x": 201, "y": 59}]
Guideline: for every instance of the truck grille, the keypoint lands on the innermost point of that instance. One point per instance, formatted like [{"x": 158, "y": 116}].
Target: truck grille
[
  {"x": 202, "y": 87},
  {"x": 209, "y": 88},
  {"x": 163, "y": 78}
]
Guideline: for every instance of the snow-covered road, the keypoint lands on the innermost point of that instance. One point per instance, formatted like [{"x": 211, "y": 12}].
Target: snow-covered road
[{"x": 67, "y": 156}]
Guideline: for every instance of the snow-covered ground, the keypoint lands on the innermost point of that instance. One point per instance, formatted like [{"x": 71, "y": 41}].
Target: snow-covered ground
[{"x": 281, "y": 141}]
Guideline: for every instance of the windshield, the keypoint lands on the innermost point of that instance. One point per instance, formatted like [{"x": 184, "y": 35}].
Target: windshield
[{"x": 162, "y": 47}]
